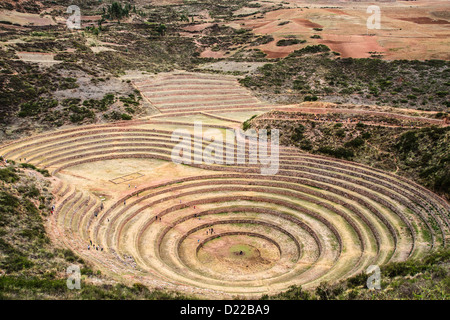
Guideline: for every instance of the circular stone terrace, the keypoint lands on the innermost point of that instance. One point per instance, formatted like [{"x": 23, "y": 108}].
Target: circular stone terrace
[{"x": 221, "y": 230}]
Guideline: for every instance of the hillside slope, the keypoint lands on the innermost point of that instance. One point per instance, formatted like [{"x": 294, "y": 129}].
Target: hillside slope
[{"x": 419, "y": 151}]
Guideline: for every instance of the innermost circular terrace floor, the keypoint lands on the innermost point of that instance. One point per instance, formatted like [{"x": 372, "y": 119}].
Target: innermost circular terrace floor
[{"x": 238, "y": 254}]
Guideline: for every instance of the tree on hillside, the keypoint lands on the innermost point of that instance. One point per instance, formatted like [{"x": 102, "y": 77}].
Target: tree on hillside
[
  {"x": 116, "y": 11},
  {"x": 184, "y": 18},
  {"x": 161, "y": 29}
]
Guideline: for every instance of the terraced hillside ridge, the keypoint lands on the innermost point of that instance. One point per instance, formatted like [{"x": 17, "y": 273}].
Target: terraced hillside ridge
[
  {"x": 351, "y": 114},
  {"x": 403, "y": 141},
  {"x": 190, "y": 93},
  {"x": 220, "y": 230}
]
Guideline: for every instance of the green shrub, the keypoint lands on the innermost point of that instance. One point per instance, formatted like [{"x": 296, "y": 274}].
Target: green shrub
[
  {"x": 366, "y": 135},
  {"x": 289, "y": 42},
  {"x": 306, "y": 145},
  {"x": 360, "y": 125},
  {"x": 125, "y": 116},
  {"x": 100, "y": 105},
  {"x": 35, "y": 108},
  {"x": 300, "y": 84},
  {"x": 246, "y": 124},
  {"x": 70, "y": 256},
  {"x": 8, "y": 200},
  {"x": 340, "y": 133},
  {"x": 115, "y": 11},
  {"x": 298, "y": 133},
  {"x": 293, "y": 293},
  {"x": 442, "y": 183},
  {"x": 337, "y": 153},
  {"x": 355, "y": 143},
  {"x": 27, "y": 166},
  {"x": 14, "y": 283},
  {"x": 8, "y": 175},
  {"x": 310, "y": 98},
  {"x": 407, "y": 142},
  {"x": 16, "y": 262},
  {"x": 358, "y": 280},
  {"x": 32, "y": 192},
  {"x": 130, "y": 110},
  {"x": 310, "y": 49}
]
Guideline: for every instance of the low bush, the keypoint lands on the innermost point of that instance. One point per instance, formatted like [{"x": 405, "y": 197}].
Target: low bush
[{"x": 8, "y": 175}]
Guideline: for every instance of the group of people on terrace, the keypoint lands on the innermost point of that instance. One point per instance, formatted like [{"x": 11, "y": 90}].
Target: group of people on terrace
[{"x": 94, "y": 247}]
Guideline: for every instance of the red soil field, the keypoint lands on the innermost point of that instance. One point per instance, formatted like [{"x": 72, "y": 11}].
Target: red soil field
[{"x": 355, "y": 46}]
